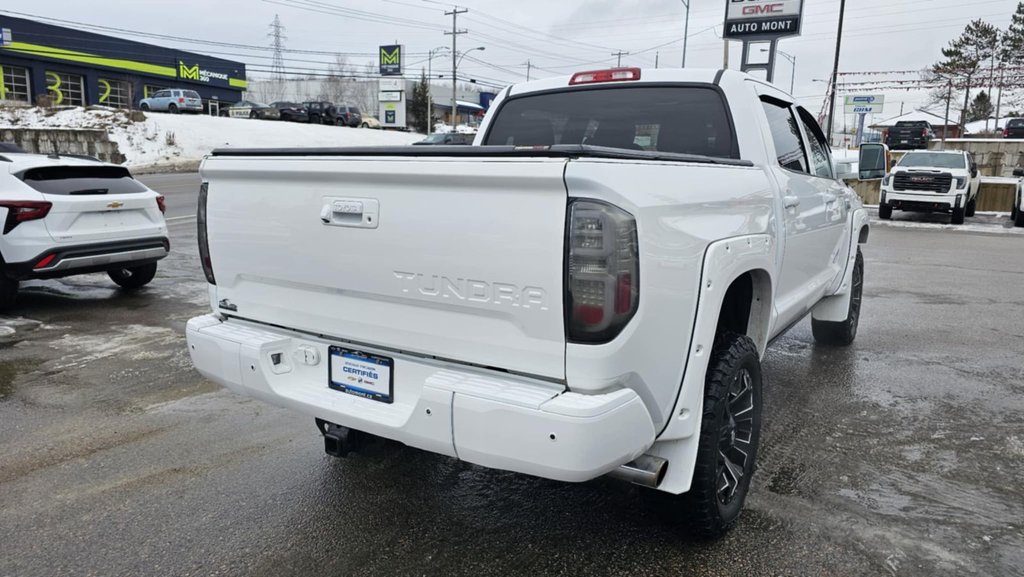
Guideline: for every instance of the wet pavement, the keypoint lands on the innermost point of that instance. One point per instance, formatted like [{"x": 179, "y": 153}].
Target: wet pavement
[{"x": 901, "y": 455}]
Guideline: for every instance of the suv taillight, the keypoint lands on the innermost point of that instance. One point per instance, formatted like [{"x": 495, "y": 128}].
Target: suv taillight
[
  {"x": 1006, "y": 133},
  {"x": 204, "y": 240},
  {"x": 19, "y": 211},
  {"x": 603, "y": 276}
]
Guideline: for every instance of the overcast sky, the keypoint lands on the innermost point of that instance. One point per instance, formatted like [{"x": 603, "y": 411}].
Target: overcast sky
[{"x": 555, "y": 36}]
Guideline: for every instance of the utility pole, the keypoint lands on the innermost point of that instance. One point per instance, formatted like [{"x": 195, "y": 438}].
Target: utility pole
[
  {"x": 455, "y": 65},
  {"x": 835, "y": 71},
  {"x": 725, "y": 53},
  {"x": 656, "y": 56},
  {"x": 528, "y": 67},
  {"x": 686, "y": 30},
  {"x": 620, "y": 54},
  {"x": 945, "y": 123}
]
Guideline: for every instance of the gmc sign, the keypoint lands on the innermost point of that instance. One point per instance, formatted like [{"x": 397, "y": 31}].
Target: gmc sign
[{"x": 762, "y": 19}]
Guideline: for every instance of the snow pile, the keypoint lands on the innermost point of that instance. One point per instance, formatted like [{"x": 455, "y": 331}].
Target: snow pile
[{"x": 169, "y": 141}]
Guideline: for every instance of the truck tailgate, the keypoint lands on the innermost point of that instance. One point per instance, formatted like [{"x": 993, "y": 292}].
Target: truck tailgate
[{"x": 459, "y": 259}]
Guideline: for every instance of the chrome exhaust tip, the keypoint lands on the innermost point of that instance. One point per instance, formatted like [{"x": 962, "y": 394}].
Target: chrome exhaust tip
[{"x": 646, "y": 470}]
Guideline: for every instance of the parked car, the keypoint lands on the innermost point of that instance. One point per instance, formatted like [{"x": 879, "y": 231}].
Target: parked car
[
  {"x": 910, "y": 135},
  {"x": 291, "y": 111},
  {"x": 71, "y": 215},
  {"x": 1014, "y": 128},
  {"x": 449, "y": 138},
  {"x": 173, "y": 101},
  {"x": 932, "y": 181},
  {"x": 321, "y": 112},
  {"x": 349, "y": 115},
  {"x": 562, "y": 310},
  {"x": 252, "y": 109},
  {"x": 1017, "y": 211},
  {"x": 370, "y": 122}
]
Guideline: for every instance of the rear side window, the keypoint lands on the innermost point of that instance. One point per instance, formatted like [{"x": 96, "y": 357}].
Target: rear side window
[
  {"x": 679, "y": 119},
  {"x": 821, "y": 155},
  {"x": 82, "y": 180},
  {"x": 786, "y": 135},
  {"x": 1016, "y": 123}
]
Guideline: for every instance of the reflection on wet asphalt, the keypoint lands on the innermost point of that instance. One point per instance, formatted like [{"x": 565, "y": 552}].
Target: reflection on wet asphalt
[{"x": 899, "y": 456}]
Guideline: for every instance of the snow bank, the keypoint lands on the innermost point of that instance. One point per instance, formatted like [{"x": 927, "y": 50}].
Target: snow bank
[{"x": 166, "y": 141}]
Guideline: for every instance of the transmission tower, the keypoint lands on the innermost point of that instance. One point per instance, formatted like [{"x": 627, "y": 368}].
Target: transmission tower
[{"x": 277, "y": 39}]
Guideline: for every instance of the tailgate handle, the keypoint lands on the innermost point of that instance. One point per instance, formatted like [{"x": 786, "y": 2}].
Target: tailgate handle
[{"x": 350, "y": 212}]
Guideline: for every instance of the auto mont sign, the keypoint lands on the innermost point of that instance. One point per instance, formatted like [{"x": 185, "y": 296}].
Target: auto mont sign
[{"x": 763, "y": 19}]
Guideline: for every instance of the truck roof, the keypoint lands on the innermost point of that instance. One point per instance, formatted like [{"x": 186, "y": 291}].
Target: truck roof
[{"x": 647, "y": 75}]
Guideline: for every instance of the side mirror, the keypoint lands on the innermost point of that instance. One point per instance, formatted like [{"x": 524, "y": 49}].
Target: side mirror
[
  {"x": 1018, "y": 172},
  {"x": 873, "y": 163},
  {"x": 974, "y": 172}
]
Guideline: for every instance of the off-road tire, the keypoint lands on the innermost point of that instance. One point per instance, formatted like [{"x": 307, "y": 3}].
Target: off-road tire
[
  {"x": 885, "y": 211},
  {"x": 8, "y": 292},
  {"x": 971, "y": 206},
  {"x": 958, "y": 216},
  {"x": 843, "y": 333},
  {"x": 730, "y": 424},
  {"x": 134, "y": 277}
]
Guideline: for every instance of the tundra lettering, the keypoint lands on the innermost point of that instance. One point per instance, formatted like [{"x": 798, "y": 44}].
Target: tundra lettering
[{"x": 472, "y": 290}]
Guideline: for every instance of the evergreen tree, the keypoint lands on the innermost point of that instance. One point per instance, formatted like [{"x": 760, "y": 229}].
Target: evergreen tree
[
  {"x": 1012, "y": 49},
  {"x": 418, "y": 105},
  {"x": 965, "y": 56},
  {"x": 981, "y": 108}
]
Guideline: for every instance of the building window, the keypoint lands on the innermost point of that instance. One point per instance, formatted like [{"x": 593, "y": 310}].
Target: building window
[
  {"x": 66, "y": 89},
  {"x": 14, "y": 84},
  {"x": 151, "y": 89},
  {"x": 115, "y": 93}
]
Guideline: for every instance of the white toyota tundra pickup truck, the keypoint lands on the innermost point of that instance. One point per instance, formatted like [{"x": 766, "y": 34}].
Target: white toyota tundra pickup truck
[{"x": 588, "y": 290}]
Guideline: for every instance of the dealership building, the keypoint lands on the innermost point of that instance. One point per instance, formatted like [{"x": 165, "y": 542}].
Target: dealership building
[{"x": 76, "y": 68}]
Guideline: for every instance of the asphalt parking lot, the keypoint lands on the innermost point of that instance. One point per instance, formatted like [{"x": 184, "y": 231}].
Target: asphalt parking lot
[{"x": 901, "y": 455}]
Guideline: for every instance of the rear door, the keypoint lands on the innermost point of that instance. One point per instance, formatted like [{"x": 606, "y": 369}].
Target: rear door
[
  {"x": 813, "y": 213},
  {"x": 458, "y": 259},
  {"x": 95, "y": 203}
]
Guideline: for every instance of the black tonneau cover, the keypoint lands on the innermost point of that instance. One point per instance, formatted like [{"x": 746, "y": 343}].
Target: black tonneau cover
[{"x": 557, "y": 151}]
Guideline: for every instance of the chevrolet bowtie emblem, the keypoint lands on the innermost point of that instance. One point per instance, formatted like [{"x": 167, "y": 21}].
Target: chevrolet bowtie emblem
[{"x": 115, "y": 204}]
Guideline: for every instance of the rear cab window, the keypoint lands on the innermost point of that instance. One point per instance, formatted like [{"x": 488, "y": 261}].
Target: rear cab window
[
  {"x": 685, "y": 119},
  {"x": 82, "y": 180}
]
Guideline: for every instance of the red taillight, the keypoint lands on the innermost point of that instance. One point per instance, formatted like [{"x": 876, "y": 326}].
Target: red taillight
[
  {"x": 924, "y": 133},
  {"x": 603, "y": 270},
  {"x": 181, "y": 100},
  {"x": 45, "y": 261},
  {"x": 610, "y": 75},
  {"x": 19, "y": 211},
  {"x": 1006, "y": 133},
  {"x": 204, "y": 240},
  {"x": 161, "y": 203}
]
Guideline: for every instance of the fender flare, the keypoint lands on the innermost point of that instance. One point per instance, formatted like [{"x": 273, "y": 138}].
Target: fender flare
[{"x": 724, "y": 262}]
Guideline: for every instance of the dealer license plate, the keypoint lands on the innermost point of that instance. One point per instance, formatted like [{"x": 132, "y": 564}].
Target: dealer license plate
[{"x": 361, "y": 374}]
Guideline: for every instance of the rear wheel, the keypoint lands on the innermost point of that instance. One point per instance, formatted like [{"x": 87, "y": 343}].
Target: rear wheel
[
  {"x": 843, "y": 333},
  {"x": 971, "y": 205},
  {"x": 958, "y": 216},
  {"x": 884, "y": 211},
  {"x": 8, "y": 292},
  {"x": 132, "y": 278},
  {"x": 729, "y": 435},
  {"x": 172, "y": 108},
  {"x": 364, "y": 125}
]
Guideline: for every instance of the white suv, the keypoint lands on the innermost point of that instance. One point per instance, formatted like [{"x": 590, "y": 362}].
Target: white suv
[
  {"x": 68, "y": 215},
  {"x": 932, "y": 181}
]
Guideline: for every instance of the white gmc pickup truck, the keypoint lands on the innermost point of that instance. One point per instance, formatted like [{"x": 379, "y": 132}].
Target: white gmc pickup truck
[{"x": 588, "y": 290}]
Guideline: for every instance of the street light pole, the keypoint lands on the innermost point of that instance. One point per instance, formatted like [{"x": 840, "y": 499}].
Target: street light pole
[
  {"x": 686, "y": 30},
  {"x": 430, "y": 94},
  {"x": 455, "y": 68},
  {"x": 835, "y": 72}
]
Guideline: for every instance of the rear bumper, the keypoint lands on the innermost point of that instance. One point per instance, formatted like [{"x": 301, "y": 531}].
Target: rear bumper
[
  {"x": 84, "y": 259},
  {"x": 493, "y": 419}
]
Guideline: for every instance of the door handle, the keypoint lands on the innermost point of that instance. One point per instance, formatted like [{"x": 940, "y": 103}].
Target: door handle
[
  {"x": 829, "y": 197},
  {"x": 791, "y": 201}
]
